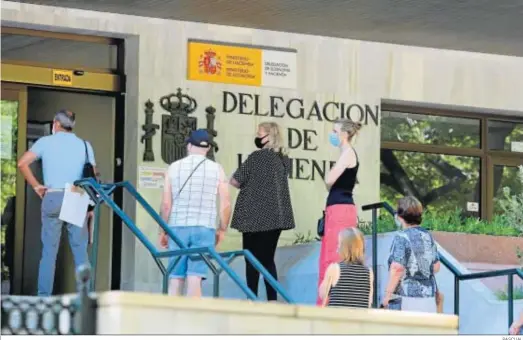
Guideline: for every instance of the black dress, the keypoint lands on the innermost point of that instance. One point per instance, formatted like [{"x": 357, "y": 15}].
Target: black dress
[
  {"x": 263, "y": 209},
  {"x": 264, "y": 201}
]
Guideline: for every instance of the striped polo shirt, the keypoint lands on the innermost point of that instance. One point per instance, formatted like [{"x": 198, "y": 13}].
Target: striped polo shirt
[{"x": 196, "y": 204}]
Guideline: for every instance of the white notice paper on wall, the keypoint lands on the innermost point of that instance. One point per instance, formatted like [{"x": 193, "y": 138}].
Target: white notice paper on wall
[
  {"x": 74, "y": 206},
  {"x": 473, "y": 206},
  {"x": 151, "y": 177},
  {"x": 279, "y": 69}
]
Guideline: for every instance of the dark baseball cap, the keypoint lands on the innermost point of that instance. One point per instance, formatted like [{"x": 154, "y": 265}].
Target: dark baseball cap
[{"x": 199, "y": 138}]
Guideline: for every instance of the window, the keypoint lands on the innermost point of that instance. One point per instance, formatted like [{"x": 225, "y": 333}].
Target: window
[
  {"x": 70, "y": 51},
  {"x": 505, "y": 136},
  {"x": 450, "y": 160},
  {"x": 441, "y": 182},
  {"x": 505, "y": 177},
  {"x": 426, "y": 129}
]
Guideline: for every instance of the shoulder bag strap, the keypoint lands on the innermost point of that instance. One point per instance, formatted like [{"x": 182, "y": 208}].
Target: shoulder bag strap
[
  {"x": 86, "y": 154},
  {"x": 356, "y": 155},
  {"x": 187, "y": 180}
]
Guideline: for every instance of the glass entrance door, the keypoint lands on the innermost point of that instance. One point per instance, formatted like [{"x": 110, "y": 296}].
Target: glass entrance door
[{"x": 12, "y": 197}]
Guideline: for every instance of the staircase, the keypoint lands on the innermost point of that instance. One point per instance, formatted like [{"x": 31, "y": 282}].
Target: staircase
[
  {"x": 298, "y": 270},
  {"x": 480, "y": 311}
]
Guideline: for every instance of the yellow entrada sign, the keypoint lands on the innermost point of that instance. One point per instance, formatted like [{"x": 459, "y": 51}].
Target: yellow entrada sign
[
  {"x": 241, "y": 65},
  {"x": 62, "y": 78}
]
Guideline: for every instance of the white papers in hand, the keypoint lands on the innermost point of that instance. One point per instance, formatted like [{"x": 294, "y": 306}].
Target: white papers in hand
[{"x": 74, "y": 206}]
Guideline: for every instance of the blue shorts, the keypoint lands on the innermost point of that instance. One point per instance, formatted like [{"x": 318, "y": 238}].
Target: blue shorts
[{"x": 192, "y": 237}]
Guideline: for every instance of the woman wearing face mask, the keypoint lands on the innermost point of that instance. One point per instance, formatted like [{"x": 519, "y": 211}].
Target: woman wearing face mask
[
  {"x": 263, "y": 207},
  {"x": 341, "y": 212},
  {"x": 413, "y": 262}
]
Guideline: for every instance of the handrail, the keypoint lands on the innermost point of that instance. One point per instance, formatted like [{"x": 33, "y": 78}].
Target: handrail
[
  {"x": 100, "y": 193},
  {"x": 374, "y": 207},
  {"x": 458, "y": 275}
]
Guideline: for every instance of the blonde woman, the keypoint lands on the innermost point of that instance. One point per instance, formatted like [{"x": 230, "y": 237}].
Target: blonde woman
[
  {"x": 340, "y": 211},
  {"x": 348, "y": 283},
  {"x": 263, "y": 208}
]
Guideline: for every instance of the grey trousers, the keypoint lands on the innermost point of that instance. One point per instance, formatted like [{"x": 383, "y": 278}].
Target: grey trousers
[{"x": 51, "y": 233}]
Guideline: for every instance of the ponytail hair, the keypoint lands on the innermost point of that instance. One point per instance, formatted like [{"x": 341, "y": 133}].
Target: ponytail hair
[{"x": 352, "y": 128}]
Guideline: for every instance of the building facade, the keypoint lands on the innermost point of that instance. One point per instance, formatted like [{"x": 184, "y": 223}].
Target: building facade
[{"x": 331, "y": 78}]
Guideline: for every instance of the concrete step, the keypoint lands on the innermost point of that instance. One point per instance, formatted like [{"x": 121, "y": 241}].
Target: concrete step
[{"x": 298, "y": 273}]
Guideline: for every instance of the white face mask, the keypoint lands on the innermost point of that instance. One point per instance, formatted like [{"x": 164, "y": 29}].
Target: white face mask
[
  {"x": 53, "y": 130},
  {"x": 397, "y": 221}
]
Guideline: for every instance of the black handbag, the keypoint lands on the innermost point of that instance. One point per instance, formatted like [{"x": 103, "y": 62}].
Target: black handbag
[
  {"x": 88, "y": 171},
  {"x": 321, "y": 225}
]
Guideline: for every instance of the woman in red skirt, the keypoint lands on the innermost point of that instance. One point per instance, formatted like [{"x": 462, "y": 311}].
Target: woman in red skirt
[{"x": 340, "y": 212}]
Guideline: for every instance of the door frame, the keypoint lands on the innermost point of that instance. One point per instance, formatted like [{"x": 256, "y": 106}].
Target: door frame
[
  {"x": 86, "y": 80},
  {"x": 20, "y": 92},
  {"x": 82, "y": 79},
  {"x": 16, "y": 92},
  {"x": 496, "y": 159}
]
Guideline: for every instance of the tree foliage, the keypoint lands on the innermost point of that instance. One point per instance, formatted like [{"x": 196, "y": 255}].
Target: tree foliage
[
  {"x": 8, "y": 161},
  {"x": 442, "y": 182}
]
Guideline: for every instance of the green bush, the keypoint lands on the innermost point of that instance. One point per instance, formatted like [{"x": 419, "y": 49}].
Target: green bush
[
  {"x": 451, "y": 221},
  {"x": 301, "y": 238},
  {"x": 512, "y": 205},
  {"x": 503, "y": 295},
  {"x": 4, "y": 270}
]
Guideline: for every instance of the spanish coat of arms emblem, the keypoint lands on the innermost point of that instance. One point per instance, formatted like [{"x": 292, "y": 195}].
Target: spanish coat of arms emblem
[
  {"x": 210, "y": 63},
  {"x": 178, "y": 125}
]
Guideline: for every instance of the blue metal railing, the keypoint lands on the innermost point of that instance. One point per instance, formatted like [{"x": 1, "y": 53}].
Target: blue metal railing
[
  {"x": 458, "y": 275},
  {"x": 100, "y": 193}
]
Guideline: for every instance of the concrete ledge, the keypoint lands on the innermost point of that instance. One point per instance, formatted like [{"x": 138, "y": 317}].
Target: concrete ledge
[
  {"x": 139, "y": 313},
  {"x": 159, "y": 301}
]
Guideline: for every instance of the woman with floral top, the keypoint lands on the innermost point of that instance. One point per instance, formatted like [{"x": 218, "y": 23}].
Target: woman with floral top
[{"x": 413, "y": 262}]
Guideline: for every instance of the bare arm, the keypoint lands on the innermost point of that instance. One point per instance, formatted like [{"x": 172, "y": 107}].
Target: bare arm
[
  {"x": 518, "y": 322},
  {"x": 332, "y": 275},
  {"x": 167, "y": 199},
  {"x": 23, "y": 164},
  {"x": 516, "y": 326},
  {"x": 90, "y": 154},
  {"x": 347, "y": 160},
  {"x": 395, "y": 274},
  {"x": 225, "y": 201},
  {"x": 437, "y": 267},
  {"x": 234, "y": 183}
]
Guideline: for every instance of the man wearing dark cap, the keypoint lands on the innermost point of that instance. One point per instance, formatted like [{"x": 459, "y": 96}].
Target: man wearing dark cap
[
  {"x": 63, "y": 156},
  {"x": 189, "y": 206}
]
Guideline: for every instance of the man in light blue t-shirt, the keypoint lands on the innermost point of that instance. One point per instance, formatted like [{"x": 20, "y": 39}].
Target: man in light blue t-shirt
[{"x": 63, "y": 157}]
